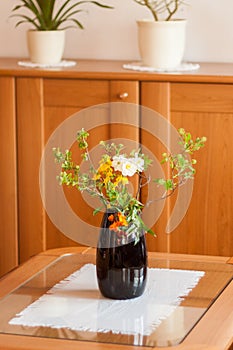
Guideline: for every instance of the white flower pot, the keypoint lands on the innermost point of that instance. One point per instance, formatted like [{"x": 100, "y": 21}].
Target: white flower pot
[
  {"x": 46, "y": 47},
  {"x": 161, "y": 43}
]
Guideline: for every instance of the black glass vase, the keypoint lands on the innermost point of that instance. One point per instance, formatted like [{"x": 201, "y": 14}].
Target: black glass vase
[{"x": 121, "y": 264}]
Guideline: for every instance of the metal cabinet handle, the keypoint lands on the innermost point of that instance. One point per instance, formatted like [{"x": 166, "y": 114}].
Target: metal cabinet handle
[{"x": 123, "y": 95}]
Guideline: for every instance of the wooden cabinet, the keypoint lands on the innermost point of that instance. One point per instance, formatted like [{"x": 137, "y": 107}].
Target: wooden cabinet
[
  {"x": 35, "y": 102},
  {"x": 8, "y": 177}
]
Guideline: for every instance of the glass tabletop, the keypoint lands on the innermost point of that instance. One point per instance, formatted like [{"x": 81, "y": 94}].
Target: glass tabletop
[{"x": 170, "y": 331}]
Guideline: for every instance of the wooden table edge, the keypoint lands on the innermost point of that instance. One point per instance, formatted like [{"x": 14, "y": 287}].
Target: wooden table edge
[
  {"x": 18, "y": 342},
  {"x": 219, "y": 337}
]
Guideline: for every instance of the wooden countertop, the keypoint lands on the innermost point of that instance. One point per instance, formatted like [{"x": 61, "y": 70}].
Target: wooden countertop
[
  {"x": 112, "y": 69},
  {"x": 213, "y": 332}
]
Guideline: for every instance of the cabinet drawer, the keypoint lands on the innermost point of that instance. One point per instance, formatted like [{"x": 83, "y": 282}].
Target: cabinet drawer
[
  {"x": 214, "y": 98},
  {"x": 75, "y": 93}
]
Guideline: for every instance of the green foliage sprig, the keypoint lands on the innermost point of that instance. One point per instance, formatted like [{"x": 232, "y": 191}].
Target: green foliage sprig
[
  {"x": 182, "y": 164},
  {"x": 43, "y": 15},
  {"x": 108, "y": 182}
]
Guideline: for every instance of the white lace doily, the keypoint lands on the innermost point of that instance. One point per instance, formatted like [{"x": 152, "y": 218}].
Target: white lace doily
[
  {"x": 61, "y": 64},
  {"x": 76, "y": 303},
  {"x": 139, "y": 66}
]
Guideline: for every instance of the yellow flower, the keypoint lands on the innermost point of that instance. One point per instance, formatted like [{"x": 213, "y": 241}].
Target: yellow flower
[
  {"x": 107, "y": 179},
  {"x": 104, "y": 171},
  {"x": 96, "y": 177},
  {"x": 122, "y": 219},
  {"x": 103, "y": 168},
  {"x": 121, "y": 179}
]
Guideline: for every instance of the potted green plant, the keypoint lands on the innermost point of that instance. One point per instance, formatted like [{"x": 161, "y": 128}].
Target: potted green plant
[
  {"x": 162, "y": 39},
  {"x": 49, "y": 20}
]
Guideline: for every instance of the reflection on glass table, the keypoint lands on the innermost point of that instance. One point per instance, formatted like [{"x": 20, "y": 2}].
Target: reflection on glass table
[{"x": 170, "y": 331}]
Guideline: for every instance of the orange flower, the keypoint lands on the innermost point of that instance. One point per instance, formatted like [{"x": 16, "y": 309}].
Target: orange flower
[
  {"x": 114, "y": 226},
  {"x": 119, "y": 221},
  {"x": 111, "y": 217}
]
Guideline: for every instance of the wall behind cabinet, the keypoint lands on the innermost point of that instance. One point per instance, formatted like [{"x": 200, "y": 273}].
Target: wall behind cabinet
[{"x": 112, "y": 34}]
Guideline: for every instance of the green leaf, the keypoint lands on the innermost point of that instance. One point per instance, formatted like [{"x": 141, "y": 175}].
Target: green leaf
[
  {"x": 41, "y": 13},
  {"x": 97, "y": 210}
]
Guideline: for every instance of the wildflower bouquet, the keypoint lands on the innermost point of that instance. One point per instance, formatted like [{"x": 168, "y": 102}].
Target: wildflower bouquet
[{"x": 110, "y": 179}]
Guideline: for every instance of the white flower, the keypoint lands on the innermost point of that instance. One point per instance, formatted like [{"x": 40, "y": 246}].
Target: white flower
[
  {"x": 138, "y": 161},
  {"x": 124, "y": 165},
  {"x": 128, "y": 168},
  {"x": 117, "y": 162}
]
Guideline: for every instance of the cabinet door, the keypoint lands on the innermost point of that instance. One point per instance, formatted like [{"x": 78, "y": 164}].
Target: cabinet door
[
  {"x": 43, "y": 105},
  {"x": 202, "y": 109},
  {"x": 8, "y": 177},
  {"x": 207, "y": 109},
  {"x": 78, "y": 95},
  {"x": 77, "y": 98},
  {"x": 29, "y": 150}
]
